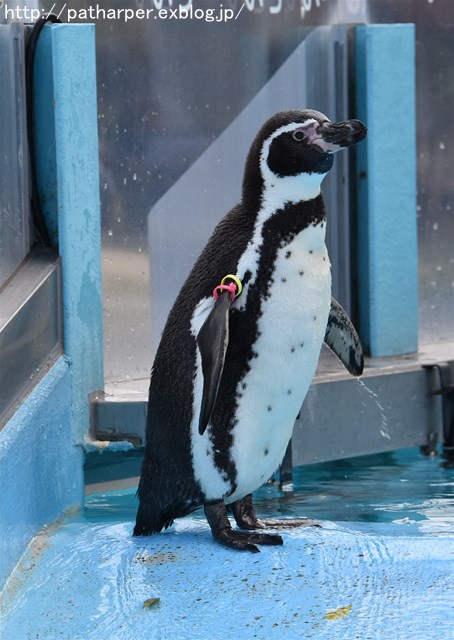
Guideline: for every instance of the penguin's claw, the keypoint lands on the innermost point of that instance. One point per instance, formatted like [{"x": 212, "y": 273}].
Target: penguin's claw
[
  {"x": 243, "y": 541},
  {"x": 216, "y": 514}
]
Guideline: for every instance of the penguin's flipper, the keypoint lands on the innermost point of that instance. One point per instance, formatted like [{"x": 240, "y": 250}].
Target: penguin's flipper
[
  {"x": 342, "y": 339},
  {"x": 212, "y": 341}
]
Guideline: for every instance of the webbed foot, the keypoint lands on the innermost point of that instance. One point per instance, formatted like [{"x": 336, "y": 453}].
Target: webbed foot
[{"x": 216, "y": 514}]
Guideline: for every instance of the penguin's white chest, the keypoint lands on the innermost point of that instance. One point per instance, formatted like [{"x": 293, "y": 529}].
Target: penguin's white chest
[{"x": 290, "y": 335}]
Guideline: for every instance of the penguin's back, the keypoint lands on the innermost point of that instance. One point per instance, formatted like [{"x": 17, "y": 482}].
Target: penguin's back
[{"x": 168, "y": 487}]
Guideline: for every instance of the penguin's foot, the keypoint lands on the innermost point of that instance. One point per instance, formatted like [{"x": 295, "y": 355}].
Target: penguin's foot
[
  {"x": 244, "y": 514},
  {"x": 216, "y": 514}
]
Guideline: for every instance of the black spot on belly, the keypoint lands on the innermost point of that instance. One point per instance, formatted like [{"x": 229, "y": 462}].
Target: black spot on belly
[
  {"x": 288, "y": 254},
  {"x": 289, "y": 392},
  {"x": 269, "y": 408},
  {"x": 301, "y": 344},
  {"x": 283, "y": 279},
  {"x": 266, "y": 452},
  {"x": 310, "y": 251},
  {"x": 301, "y": 272},
  {"x": 315, "y": 318},
  {"x": 292, "y": 350},
  {"x": 244, "y": 385},
  {"x": 247, "y": 276}
]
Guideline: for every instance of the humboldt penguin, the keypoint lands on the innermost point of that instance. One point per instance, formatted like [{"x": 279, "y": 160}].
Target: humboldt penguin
[{"x": 242, "y": 340}]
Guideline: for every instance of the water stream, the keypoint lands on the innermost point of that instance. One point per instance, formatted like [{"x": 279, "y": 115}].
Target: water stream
[{"x": 373, "y": 397}]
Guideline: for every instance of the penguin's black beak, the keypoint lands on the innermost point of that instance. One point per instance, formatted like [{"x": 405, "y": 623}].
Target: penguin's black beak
[{"x": 338, "y": 135}]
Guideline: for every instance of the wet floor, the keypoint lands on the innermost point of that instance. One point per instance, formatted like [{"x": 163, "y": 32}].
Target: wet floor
[{"x": 379, "y": 567}]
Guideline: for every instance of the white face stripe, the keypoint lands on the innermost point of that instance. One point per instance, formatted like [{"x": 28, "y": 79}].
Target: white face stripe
[
  {"x": 279, "y": 190},
  {"x": 266, "y": 171},
  {"x": 277, "y": 193}
]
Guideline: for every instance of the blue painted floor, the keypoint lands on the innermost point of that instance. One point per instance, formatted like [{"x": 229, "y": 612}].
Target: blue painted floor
[{"x": 382, "y": 571}]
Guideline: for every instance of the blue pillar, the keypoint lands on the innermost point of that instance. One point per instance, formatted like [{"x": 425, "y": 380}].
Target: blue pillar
[
  {"x": 388, "y": 269},
  {"x": 68, "y": 172}
]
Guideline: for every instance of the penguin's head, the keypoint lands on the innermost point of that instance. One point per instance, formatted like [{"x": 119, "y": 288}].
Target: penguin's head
[{"x": 293, "y": 151}]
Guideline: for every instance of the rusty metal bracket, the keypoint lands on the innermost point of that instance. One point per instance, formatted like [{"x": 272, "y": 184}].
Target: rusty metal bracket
[{"x": 446, "y": 391}]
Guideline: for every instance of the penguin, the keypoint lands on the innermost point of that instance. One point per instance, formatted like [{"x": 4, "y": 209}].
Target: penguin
[{"x": 241, "y": 343}]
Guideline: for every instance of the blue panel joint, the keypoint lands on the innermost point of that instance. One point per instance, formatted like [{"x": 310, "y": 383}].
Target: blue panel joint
[
  {"x": 388, "y": 270},
  {"x": 46, "y": 169},
  {"x": 67, "y": 147},
  {"x": 41, "y": 471}
]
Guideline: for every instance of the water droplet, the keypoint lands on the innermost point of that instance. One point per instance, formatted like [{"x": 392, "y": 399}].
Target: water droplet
[
  {"x": 134, "y": 177},
  {"x": 442, "y": 146},
  {"x": 110, "y": 232},
  {"x": 384, "y": 420}
]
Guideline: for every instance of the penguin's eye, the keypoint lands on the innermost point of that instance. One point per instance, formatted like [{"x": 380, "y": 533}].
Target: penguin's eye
[{"x": 298, "y": 135}]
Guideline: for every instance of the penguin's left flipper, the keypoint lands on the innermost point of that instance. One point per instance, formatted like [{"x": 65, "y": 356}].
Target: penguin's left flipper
[
  {"x": 342, "y": 339},
  {"x": 212, "y": 340}
]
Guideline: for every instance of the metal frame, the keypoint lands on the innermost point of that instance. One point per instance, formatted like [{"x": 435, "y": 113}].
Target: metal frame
[
  {"x": 14, "y": 176},
  {"x": 393, "y": 406},
  {"x": 30, "y": 327}
]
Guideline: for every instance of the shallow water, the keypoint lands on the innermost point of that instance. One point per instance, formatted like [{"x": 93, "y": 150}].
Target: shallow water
[
  {"x": 402, "y": 487},
  {"x": 380, "y": 566}
]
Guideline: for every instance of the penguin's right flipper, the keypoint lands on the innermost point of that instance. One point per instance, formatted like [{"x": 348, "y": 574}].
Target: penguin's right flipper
[
  {"x": 342, "y": 339},
  {"x": 212, "y": 340}
]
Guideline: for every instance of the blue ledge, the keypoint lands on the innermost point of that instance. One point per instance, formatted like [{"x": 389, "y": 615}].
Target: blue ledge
[
  {"x": 388, "y": 260},
  {"x": 41, "y": 468},
  {"x": 337, "y": 582}
]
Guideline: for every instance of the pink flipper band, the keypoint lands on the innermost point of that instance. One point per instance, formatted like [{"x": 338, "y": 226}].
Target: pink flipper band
[{"x": 225, "y": 287}]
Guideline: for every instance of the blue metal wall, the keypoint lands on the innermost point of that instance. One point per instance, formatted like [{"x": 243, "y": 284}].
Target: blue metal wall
[{"x": 41, "y": 454}]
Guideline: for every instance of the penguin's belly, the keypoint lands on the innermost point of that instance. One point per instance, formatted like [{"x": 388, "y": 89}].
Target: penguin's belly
[{"x": 291, "y": 331}]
